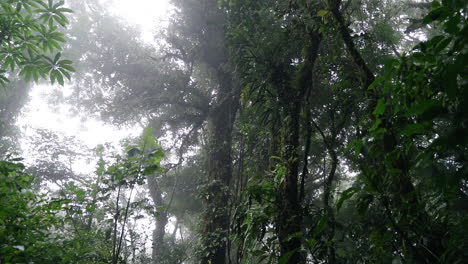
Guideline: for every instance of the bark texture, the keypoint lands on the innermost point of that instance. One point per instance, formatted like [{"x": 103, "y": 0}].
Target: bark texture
[
  {"x": 161, "y": 221},
  {"x": 219, "y": 173},
  {"x": 292, "y": 99},
  {"x": 220, "y": 119}
]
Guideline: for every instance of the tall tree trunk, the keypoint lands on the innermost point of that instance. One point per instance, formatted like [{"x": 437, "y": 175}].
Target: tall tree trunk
[
  {"x": 161, "y": 220},
  {"x": 219, "y": 172},
  {"x": 292, "y": 98},
  {"x": 327, "y": 198},
  {"x": 204, "y": 25},
  {"x": 290, "y": 218}
]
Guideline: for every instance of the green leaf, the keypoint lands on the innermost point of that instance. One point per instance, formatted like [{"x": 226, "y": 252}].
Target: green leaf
[
  {"x": 311, "y": 243},
  {"x": 435, "y": 40},
  {"x": 377, "y": 82},
  {"x": 356, "y": 144},
  {"x": 28, "y": 75},
  {"x": 68, "y": 68},
  {"x": 438, "y": 14},
  {"x": 345, "y": 196},
  {"x": 322, "y": 13},
  {"x": 36, "y": 76},
  {"x": 443, "y": 44},
  {"x": 161, "y": 208},
  {"x": 321, "y": 225},
  {"x": 64, "y": 72},
  {"x": 295, "y": 235},
  {"x": 63, "y": 62},
  {"x": 380, "y": 108},
  {"x": 451, "y": 26},
  {"x": 60, "y": 78},
  {"x": 57, "y": 57},
  {"x": 375, "y": 125},
  {"x": 80, "y": 194},
  {"x": 52, "y": 77},
  {"x": 152, "y": 169}
]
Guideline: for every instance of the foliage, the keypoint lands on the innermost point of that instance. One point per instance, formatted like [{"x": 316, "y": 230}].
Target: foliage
[
  {"x": 101, "y": 210},
  {"x": 29, "y": 37},
  {"x": 83, "y": 217},
  {"x": 253, "y": 218},
  {"x": 419, "y": 135},
  {"x": 27, "y": 218},
  {"x": 412, "y": 139}
]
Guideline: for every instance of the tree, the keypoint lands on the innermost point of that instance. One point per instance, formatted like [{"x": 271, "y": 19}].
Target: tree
[
  {"x": 289, "y": 80},
  {"x": 203, "y": 24},
  {"x": 54, "y": 157}
]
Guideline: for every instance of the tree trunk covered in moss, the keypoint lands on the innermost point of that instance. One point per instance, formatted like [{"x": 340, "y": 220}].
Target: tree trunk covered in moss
[
  {"x": 290, "y": 217},
  {"x": 216, "y": 194},
  {"x": 292, "y": 94}
]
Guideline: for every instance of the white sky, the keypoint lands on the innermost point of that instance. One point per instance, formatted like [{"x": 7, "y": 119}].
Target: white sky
[
  {"x": 145, "y": 13},
  {"x": 148, "y": 14}
]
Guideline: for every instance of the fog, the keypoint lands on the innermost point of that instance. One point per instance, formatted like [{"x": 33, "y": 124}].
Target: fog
[{"x": 233, "y": 131}]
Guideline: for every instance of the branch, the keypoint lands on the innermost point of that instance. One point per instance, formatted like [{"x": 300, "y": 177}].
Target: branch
[
  {"x": 172, "y": 194},
  {"x": 415, "y": 25},
  {"x": 325, "y": 140},
  {"x": 306, "y": 155},
  {"x": 367, "y": 75},
  {"x": 184, "y": 145}
]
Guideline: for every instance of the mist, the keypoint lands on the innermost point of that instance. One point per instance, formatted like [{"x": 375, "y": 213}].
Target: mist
[{"x": 216, "y": 132}]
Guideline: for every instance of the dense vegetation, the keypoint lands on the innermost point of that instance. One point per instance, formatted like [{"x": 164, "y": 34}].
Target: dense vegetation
[{"x": 286, "y": 132}]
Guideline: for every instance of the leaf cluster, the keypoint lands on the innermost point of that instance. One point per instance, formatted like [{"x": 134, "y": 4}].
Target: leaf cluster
[{"x": 29, "y": 37}]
